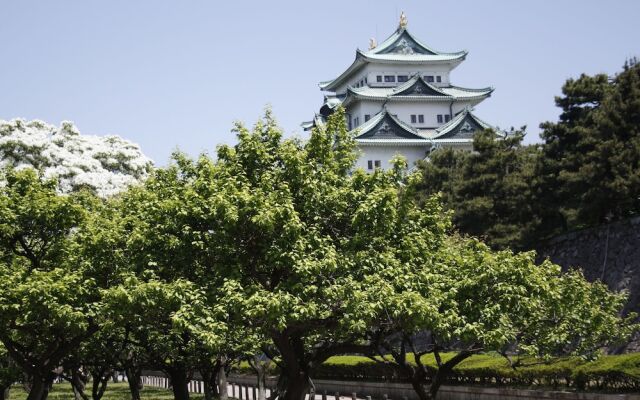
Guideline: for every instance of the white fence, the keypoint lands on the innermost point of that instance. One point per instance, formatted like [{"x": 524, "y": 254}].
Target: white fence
[{"x": 241, "y": 391}]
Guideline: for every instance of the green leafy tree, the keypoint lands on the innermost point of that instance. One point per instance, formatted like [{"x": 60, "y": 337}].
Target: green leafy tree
[
  {"x": 591, "y": 156},
  {"x": 332, "y": 261},
  {"x": 170, "y": 321},
  {"x": 173, "y": 235},
  {"x": 50, "y": 287},
  {"x": 468, "y": 299},
  {"x": 311, "y": 240}
]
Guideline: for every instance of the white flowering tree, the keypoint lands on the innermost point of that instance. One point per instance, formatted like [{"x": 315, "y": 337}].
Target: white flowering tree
[{"x": 106, "y": 164}]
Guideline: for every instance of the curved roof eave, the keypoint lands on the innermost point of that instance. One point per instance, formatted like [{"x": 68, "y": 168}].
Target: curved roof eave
[
  {"x": 355, "y": 66},
  {"x": 363, "y": 58}
]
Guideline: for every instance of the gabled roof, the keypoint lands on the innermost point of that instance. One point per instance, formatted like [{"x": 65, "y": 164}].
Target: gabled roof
[
  {"x": 418, "y": 89},
  {"x": 401, "y": 46},
  {"x": 385, "y": 126},
  {"x": 463, "y": 126},
  {"x": 417, "y": 86},
  {"x": 403, "y": 43}
]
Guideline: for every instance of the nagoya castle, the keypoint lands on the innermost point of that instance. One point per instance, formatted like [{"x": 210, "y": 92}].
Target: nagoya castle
[{"x": 399, "y": 99}]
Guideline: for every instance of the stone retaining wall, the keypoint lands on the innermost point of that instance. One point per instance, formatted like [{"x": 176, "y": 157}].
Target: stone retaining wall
[
  {"x": 399, "y": 391},
  {"x": 609, "y": 253}
]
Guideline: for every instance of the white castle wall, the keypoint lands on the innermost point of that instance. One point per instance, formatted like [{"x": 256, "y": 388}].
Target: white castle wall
[
  {"x": 386, "y": 153},
  {"x": 370, "y": 71},
  {"x": 404, "y": 110}
]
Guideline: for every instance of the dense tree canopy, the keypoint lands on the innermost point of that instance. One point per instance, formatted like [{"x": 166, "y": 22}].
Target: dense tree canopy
[
  {"x": 472, "y": 300},
  {"x": 585, "y": 173},
  {"x": 280, "y": 247},
  {"x": 590, "y": 164},
  {"x": 50, "y": 286},
  {"x": 490, "y": 191}
]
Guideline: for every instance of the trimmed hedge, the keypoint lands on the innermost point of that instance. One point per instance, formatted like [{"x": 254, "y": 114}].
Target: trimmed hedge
[{"x": 607, "y": 373}]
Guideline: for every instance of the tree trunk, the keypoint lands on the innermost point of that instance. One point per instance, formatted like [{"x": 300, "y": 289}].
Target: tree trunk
[
  {"x": 4, "y": 393},
  {"x": 260, "y": 368},
  {"x": 134, "y": 381},
  {"x": 209, "y": 377},
  {"x": 222, "y": 383},
  {"x": 295, "y": 379},
  {"x": 100, "y": 382},
  {"x": 179, "y": 383},
  {"x": 297, "y": 387},
  {"x": 262, "y": 377},
  {"x": 421, "y": 390},
  {"x": 444, "y": 371},
  {"x": 78, "y": 383},
  {"x": 40, "y": 387}
]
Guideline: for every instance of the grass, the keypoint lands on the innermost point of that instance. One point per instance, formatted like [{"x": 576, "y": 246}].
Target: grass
[{"x": 115, "y": 391}]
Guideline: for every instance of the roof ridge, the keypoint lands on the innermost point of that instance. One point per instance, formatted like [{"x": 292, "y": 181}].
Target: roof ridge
[
  {"x": 420, "y": 78},
  {"x": 397, "y": 34},
  {"x": 484, "y": 89},
  {"x": 381, "y": 115}
]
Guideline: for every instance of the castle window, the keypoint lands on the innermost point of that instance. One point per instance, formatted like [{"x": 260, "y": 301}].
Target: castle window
[
  {"x": 389, "y": 78},
  {"x": 421, "y": 118},
  {"x": 377, "y": 163},
  {"x": 379, "y": 78},
  {"x": 413, "y": 118},
  {"x": 367, "y": 117},
  {"x": 439, "y": 118},
  {"x": 447, "y": 118},
  {"x": 403, "y": 78},
  {"x": 370, "y": 164},
  {"x": 429, "y": 78},
  {"x": 438, "y": 78}
]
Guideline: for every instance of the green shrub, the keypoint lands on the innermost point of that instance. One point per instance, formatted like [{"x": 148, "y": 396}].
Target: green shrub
[{"x": 611, "y": 373}]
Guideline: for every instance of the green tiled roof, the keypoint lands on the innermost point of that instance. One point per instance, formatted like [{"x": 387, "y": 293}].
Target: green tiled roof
[
  {"x": 463, "y": 125},
  {"x": 401, "y": 46},
  {"x": 458, "y": 131},
  {"x": 418, "y": 89},
  {"x": 402, "y": 42},
  {"x": 385, "y": 126}
]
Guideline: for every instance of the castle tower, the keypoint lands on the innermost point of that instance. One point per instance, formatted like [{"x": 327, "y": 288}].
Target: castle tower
[{"x": 399, "y": 99}]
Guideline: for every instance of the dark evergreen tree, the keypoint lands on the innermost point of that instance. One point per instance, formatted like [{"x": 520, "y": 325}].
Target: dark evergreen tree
[
  {"x": 590, "y": 169},
  {"x": 490, "y": 190}
]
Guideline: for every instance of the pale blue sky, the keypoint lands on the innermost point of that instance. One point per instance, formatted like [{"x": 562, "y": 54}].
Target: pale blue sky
[{"x": 169, "y": 74}]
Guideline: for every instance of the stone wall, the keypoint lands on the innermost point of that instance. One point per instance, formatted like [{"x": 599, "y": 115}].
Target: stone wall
[{"x": 609, "y": 253}]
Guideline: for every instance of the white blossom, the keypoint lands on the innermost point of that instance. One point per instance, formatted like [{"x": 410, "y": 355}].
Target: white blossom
[{"x": 107, "y": 164}]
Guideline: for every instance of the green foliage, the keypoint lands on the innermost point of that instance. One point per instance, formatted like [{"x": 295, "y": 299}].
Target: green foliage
[
  {"x": 50, "y": 294},
  {"x": 279, "y": 247},
  {"x": 591, "y": 157},
  {"x": 584, "y": 174},
  {"x": 317, "y": 247},
  {"x": 490, "y": 190},
  {"x": 609, "y": 372}
]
